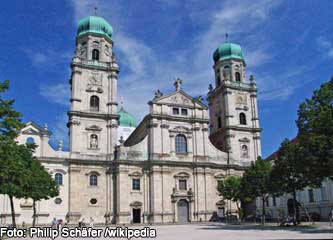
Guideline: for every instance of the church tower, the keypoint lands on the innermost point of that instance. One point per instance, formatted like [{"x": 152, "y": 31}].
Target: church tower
[
  {"x": 234, "y": 122},
  {"x": 93, "y": 118}
]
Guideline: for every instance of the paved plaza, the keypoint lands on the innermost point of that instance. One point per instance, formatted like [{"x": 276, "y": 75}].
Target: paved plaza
[{"x": 226, "y": 232}]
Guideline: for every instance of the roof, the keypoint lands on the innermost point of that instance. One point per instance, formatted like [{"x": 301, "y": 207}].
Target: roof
[
  {"x": 126, "y": 119},
  {"x": 228, "y": 50},
  {"x": 96, "y": 25}
]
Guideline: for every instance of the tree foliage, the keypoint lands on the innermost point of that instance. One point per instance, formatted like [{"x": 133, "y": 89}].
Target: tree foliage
[
  {"x": 13, "y": 171},
  {"x": 21, "y": 175},
  {"x": 257, "y": 182},
  {"x": 40, "y": 185},
  {"x": 230, "y": 189},
  {"x": 288, "y": 171},
  {"x": 10, "y": 120},
  {"x": 315, "y": 125}
]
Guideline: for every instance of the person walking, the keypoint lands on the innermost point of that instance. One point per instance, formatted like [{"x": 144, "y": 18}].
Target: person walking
[
  {"x": 91, "y": 224},
  {"x": 54, "y": 223}
]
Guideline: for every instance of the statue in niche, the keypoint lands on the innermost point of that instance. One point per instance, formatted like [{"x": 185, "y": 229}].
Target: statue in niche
[
  {"x": 245, "y": 152},
  {"x": 93, "y": 141}
]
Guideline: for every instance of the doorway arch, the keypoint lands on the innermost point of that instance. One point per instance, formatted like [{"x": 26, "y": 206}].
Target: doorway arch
[{"x": 183, "y": 211}]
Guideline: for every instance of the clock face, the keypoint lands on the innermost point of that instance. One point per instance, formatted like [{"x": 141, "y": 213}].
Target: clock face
[
  {"x": 95, "y": 79},
  {"x": 241, "y": 99}
]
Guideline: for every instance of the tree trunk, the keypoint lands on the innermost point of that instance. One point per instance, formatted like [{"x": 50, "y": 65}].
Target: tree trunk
[
  {"x": 239, "y": 212},
  {"x": 34, "y": 213},
  {"x": 263, "y": 217},
  {"x": 12, "y": 210},
  {"x": 295, "y": 209},
  {"x": 263, "y": 210}
]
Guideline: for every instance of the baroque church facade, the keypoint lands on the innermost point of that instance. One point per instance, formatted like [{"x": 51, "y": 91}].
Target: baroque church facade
[{"x": 165, "y": 169}]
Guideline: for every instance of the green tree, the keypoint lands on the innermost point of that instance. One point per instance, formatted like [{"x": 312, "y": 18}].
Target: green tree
[
  {"x": 288, "y": 171},
  {"x": 12, "y": 168},
  {"x": 256, "y": 182},
  {"x": 13, "y": 172},
  {"x": 315, "y": 126},
  {"x": 230, "y": 189},
  {"x": 10, "y": 120},
  {"x": 40, "y": 185}
]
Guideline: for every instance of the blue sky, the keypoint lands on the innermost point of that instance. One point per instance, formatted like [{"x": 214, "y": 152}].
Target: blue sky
[{"x": 287, "y": 46}]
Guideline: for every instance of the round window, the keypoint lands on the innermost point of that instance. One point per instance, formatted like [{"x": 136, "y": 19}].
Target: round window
[
  {"x": 58, "y": 201},
  {"x": 93, "y": 201}
]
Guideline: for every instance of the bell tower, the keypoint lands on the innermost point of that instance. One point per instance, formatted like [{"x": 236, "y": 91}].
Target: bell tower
[
  {"x": 93, "y": 118},
  {"x": 234, "y": 122}
]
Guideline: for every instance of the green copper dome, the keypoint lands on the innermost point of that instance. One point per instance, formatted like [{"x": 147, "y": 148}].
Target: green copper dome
[
  {"x": 228, "y": 51},
  {"x": 94, "y": 24},
  {"x": 126, "y": 119}
]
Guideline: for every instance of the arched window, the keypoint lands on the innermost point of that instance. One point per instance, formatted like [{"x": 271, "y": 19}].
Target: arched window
[
  {"x": 58, "y": 178},
  {"x": 245, "y": 151},
  {"x": 95, "y": 54},
  {"x": 93, "y": 180},
  {"x": 218, "y": 80},
  {"x": 237, "y": 77},
  {"x": 93, "y": 141},
  {"x": 30, "y": 140},
  {"x": 219, "y": 122},
  {"x": 94, "y": 103},
  {"x": 242, "y": 119},
  {"x": 181, "y": 144}
]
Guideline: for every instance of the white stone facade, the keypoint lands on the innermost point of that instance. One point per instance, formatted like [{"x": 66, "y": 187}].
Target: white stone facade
[
  {"x": 168, "y": 168},
  {"x": 317, "y": 201}
]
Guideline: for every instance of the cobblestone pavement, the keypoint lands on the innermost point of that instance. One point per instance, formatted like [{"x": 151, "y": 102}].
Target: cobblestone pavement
[{"x": 225, "y": 232}]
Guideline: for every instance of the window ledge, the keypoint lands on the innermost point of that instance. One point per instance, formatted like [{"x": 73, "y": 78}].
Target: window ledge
[{"x": 136, "y": 192}]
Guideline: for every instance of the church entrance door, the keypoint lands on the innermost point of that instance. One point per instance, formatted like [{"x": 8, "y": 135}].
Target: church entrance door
[
  {"x": 183, "y": 211},
  {"x": 136, "y": 215}
]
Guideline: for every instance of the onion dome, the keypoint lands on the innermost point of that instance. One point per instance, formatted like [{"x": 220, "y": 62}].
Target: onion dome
[
  {"x": 95, "y": 25},
  {"x": 228, "y": 50},
  {"x": 126, "y": 119}
]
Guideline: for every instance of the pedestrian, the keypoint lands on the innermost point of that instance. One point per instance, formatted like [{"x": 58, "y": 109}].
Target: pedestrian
[
  {"x": 91, "y": 224},
  {"x": 54, "y": 223}
]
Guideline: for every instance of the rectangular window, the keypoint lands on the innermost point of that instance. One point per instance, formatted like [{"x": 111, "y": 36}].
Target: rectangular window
[
  {"x": 311, "y": 196},
  {"x": 323, "y": 193},
  {"x": 182, "y": 184},
  {"x": 136, "y": 184},
  {"x": 175, "y": 111},
  {"x": 184, "y": 112}
]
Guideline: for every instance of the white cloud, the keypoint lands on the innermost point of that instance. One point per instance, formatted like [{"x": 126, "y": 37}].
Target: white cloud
[
  {"x": 50, "y": 57},
  {"x": 325, "y": 45},
  {"x": 58, "y": 93}
]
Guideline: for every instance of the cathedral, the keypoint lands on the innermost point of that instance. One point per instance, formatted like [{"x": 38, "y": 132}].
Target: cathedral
[{"x": 164, "y": 169}]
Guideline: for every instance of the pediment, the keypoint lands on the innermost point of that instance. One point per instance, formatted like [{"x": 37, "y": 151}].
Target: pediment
[
  {"x": 30, "y": 131},
  {"x": 177, "y": 98},
  {"x": 32, "y": 128}
]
